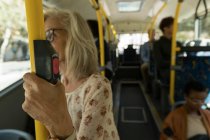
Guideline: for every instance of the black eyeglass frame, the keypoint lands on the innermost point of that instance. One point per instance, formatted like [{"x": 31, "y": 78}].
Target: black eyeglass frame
[{"x": 50, "y": 33}]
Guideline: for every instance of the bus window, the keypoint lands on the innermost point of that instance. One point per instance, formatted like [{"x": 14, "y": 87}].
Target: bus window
[
  {"x": 192, "y": 36},
  {"x": 14, "y": 52},
  {"x": 136, "y": 39}
]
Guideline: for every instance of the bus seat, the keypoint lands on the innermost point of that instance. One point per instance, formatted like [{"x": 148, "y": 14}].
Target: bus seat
[
  {"x": 130, "y": 54},
  {"x": 192, "y": 67},
  {"x": 177, "y": 105},
  {"x": 12, "y": 134}
]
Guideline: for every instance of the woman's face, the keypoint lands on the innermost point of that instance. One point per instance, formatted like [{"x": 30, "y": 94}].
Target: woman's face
[
  {"x": 57, "y": 36},
  {"x": 196, "y": 99}
]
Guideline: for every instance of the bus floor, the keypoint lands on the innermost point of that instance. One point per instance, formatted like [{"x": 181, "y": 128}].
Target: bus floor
[{"x": 135, "y": 120}]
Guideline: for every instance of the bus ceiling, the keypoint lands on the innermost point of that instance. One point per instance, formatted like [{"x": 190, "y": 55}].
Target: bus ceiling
[{"x": 131, "y": 15}]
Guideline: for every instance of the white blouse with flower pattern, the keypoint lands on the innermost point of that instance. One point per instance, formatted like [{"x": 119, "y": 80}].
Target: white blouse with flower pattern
[{"x": 90, "y": 107}]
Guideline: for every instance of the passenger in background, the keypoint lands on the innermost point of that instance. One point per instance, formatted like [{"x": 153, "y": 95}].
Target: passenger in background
[
  {"x": 81, "y": 106},
  {"x": 93, "y": 24},
  {"x": 189, "y": 122},
  {"x": 162, "y": 50},
  {"x": 145, "y": 50},
  {"x": 129, "y": 55}
]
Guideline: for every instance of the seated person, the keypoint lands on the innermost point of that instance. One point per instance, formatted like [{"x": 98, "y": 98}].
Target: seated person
[
  {"x": 129, "y": 55},
  {"x": 145, "y": 58},
  {"x": 189, "y": 122}
]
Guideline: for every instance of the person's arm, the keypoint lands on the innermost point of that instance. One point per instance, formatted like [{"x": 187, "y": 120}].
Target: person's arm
[
  {"x": 46, "y": 103},
  {"x": 95, "y": 115},
  {"x": 167, "y": 132}
]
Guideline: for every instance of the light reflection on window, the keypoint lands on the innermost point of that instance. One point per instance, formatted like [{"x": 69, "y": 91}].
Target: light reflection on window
[
  {"x": 136, "y": 40},
  {"x": 14, "y": 52}
]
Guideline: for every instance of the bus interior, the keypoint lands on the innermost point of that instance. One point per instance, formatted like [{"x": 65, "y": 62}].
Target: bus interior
[{"x": 138, "y": 113}]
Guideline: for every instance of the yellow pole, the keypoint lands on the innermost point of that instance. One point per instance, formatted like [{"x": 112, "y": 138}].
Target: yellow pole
[
  {"x": 101, "y": 40},
  {"x": 113, "y": 31},
  {"x": 108, "y": 32},
  {"x": 158, "y": 13},
  {"x": 103, "y": 12},
  {"x": 35, "y": 24},
  {"x": 151, "y": 25},
  {"x": 155, "y": 19},
  {"x": 95, "y": 4},
  {"x": 108, "y": 23},
  {"x": 173, "y": 54}
]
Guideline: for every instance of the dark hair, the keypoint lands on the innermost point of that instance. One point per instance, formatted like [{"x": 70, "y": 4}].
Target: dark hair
[
  {"x": 166, "y": 22},
  {"x": 195, "y": 86}
]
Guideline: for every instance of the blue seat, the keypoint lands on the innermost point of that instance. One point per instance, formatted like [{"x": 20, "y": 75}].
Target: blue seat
[
  {"x": 192, "y": 67},
  {"x": 177, "y": 105},
  {"x": 11, "y": 134}
]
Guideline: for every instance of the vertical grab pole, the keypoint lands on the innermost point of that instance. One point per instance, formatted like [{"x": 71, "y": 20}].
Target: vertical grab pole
[
  {"x": 95, "y": 4},
  {"x": 35, "y": 24},
  {"x": 155, "y": 18},
  {"x": 101, "y": 40},
  {"x": 158, "y": 13},
  {"x": 113, "y": 31},
  {"x": 173, "y": 53},
  {"x": 107, "y": 21},
  {"x": 150, "y": 26}
]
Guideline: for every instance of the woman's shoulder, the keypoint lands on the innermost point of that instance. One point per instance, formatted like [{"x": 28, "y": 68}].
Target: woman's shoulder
[
  {"x": 94, "y": 79},
  {"x": 95, "y": 85}
]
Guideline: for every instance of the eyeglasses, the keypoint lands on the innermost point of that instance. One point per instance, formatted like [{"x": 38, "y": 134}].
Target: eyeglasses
[
  {"x": 197, "y": 101},
  {"x": 51, "y": 33}
]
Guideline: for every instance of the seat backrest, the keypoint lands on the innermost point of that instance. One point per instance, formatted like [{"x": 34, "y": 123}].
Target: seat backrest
[
  {"x": 177, "y": 105},
  {"x": 130, "y": 54},
  {"x": 193, "y": 67},
  {"x": 11, "y": 134}
]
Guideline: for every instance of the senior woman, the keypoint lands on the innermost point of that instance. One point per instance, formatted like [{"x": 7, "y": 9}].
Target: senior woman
[{"x": 80, "y": 106}]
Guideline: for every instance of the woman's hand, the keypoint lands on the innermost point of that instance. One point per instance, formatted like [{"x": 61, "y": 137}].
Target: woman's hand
[{"x": 46, "y": 103}]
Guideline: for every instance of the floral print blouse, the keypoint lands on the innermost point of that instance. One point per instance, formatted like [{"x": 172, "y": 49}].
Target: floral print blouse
[{"x": 90, "y": 107}]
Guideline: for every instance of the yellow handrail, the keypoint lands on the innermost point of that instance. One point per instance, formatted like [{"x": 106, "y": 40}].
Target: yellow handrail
[
  {"x": 108, "y": 32},
  {"x": 103, "y": 12},
  {"x": 155, "y": 19},
  {"x": 173, "y": 53},
  {"x": 94, "y": 4},
  {"x": 35, "y": 24},
  {"x": 109, "y": 25},
  {"x": 101, "y": 40},
  {"x": 113, "y": 31},
  {"x": 157, "y": 14}
]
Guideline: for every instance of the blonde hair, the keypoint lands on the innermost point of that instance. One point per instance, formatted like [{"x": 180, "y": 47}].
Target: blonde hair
[{"x": 80, "y": 51}]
